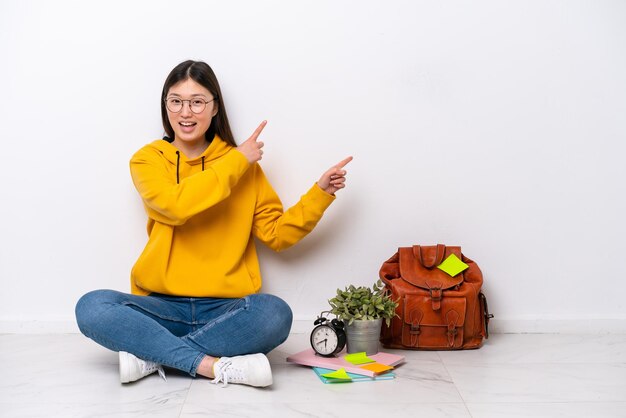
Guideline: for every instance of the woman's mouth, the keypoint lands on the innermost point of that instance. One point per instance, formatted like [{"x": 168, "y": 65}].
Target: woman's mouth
[{"x": 187, "y": 127}]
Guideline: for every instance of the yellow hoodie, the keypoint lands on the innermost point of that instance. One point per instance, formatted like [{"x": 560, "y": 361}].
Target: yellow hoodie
[{"x": 202, "y": 216}]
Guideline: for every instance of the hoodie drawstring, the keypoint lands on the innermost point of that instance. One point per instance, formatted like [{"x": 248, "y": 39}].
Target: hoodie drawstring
[{"x": 177, "y": 167}]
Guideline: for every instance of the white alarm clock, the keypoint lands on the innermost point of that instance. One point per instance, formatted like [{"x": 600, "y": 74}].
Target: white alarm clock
[{"x": 328, "y": 337}]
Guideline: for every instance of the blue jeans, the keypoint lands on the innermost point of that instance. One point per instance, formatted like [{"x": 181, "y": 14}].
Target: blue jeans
[{"x": 179, "y": 331}]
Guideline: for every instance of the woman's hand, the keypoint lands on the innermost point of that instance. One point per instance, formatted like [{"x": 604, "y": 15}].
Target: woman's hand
[
  {"x": 251, "y": 148},
  {"x": 334, "y": 178}
]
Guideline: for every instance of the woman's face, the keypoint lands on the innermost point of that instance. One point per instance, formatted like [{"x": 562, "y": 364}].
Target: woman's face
[{"x": 190, "y": 127}]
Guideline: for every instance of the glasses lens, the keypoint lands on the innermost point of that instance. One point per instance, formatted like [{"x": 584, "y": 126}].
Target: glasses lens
[
  {"x": 174, "y": 105},
  {"x": 197, "y": 105}
]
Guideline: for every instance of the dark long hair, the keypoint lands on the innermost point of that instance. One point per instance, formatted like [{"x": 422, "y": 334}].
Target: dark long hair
[{"x": 201, "y": 73}]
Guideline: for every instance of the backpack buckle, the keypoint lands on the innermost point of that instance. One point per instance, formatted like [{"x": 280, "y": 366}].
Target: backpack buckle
[{"x": 436, "y": 295}]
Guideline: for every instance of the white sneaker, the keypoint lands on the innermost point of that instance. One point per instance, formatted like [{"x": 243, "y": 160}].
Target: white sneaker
[
  {"x": 251, "y": 369},
  {"x": 133, "y": 368}
]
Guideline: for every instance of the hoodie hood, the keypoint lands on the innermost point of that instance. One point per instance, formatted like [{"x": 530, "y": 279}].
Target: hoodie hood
[{"x": 215, "y": 150}]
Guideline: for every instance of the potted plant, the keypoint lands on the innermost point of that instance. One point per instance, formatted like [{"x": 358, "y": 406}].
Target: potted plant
[{"x": 363, "y": 310}]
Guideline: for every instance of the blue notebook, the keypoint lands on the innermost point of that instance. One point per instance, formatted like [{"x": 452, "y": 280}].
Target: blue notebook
[{"x": 319, "y": 371}]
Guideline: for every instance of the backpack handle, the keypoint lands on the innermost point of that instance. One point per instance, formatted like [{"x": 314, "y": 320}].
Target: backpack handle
[{"x": 432, "y": 260}]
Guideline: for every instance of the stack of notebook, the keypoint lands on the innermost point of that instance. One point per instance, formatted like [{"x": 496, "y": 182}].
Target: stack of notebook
[{"x": 356, "y": 367}]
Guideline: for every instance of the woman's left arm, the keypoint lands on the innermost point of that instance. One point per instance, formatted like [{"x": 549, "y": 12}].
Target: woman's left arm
[
  {"x": 280, "y": 230},
  {"x": 334, "y": 178}
]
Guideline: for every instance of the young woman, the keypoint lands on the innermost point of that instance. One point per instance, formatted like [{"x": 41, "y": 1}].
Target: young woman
[{"x": 195, "y": 304}]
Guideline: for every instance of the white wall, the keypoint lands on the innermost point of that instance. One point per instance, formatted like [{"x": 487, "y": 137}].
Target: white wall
[{"x": 498, "y": 126}]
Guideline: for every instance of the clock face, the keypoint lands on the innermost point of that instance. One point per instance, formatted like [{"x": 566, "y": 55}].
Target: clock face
[{"x": 324, "y": 340}]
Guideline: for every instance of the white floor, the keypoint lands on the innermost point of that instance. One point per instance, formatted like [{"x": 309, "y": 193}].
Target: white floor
[{"x": 513, "y": 375}]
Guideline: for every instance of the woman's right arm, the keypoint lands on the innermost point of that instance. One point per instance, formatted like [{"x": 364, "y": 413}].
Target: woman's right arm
[{"x": 171, "y": 203}]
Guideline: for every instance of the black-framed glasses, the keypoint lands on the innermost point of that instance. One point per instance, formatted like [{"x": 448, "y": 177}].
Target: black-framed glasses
[{"x": 197, "y": 104}]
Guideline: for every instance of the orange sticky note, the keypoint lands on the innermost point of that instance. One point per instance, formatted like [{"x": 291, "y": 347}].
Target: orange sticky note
[{"x": 377, "y": 367}]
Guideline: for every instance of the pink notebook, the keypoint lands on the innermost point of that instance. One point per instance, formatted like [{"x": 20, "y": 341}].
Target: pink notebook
[{"x": 309, "y": 358}]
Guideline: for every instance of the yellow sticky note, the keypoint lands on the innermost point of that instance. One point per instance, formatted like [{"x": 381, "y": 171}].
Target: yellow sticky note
[
  {"x": 358, "y": 358},
  {"x": 377, "y": 367},
  {"x": 452, "y": 265},
  {"x": 338, "y": 374}
]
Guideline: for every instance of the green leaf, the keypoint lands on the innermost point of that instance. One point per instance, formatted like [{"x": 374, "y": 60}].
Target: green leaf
[{"x": 362, "y": 302}]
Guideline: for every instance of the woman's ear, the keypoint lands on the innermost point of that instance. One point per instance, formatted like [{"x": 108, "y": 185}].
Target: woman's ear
[{"x": 215, "y": 108}]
